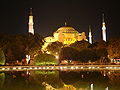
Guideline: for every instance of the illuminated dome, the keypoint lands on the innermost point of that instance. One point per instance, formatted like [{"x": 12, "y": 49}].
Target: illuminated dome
[
  {"x": 68, "y": 35},
  {"x": 66, "y": 29}
]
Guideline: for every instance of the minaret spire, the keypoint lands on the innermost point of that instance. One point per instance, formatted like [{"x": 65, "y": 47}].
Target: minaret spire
[
  {"x": 30, "y": 11},
  {"x": 103, "y": 28},
  {"x": 103, "y": 17},
  {"x": 31, "y": 29},
  {"x": 90, "y": 35}
]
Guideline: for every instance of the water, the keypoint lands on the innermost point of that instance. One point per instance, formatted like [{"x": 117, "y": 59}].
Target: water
[{"x": 60, "y": 80}]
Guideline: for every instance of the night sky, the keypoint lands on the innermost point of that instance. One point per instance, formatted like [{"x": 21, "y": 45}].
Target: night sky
[{"x": 49, "y": 15}]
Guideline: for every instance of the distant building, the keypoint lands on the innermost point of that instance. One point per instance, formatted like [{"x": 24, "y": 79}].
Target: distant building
[{"x": 66, "y": 35}]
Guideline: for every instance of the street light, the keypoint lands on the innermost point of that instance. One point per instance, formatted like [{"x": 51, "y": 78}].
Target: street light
[
  {"x": 57, "y": 57},
  {"x": 27, "y": 58}
]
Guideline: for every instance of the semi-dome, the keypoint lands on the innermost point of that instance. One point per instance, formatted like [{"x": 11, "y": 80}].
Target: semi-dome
[{"x": 66, "y": 29}]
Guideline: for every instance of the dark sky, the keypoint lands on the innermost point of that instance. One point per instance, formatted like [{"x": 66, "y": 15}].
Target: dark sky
[{"x": 49, "y": 15}]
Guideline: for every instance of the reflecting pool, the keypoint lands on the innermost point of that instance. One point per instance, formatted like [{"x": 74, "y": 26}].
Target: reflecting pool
[{"x": 60, "y": 80}]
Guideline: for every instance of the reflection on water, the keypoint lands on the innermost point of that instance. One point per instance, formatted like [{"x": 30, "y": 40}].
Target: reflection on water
[
  {"x": 60, "y": 80},
  {"x": 2, "y": 77}
]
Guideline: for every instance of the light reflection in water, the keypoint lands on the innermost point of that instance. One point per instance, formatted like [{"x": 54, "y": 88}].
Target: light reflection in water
[
  {"x": 106, "y": 88},
  {"x": 91, "y": 86},
  {"x": 2, "y": 79},
  {"x": 60, "y": 80}
]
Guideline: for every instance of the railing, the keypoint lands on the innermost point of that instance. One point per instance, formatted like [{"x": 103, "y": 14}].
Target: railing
[{"x": 61, "y": 67}]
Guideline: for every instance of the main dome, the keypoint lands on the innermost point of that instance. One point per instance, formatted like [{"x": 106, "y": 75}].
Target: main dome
[{"x": 66, "y": 29}]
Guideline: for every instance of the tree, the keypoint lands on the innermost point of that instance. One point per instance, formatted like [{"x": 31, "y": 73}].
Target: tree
[
  {"x": 54, "y": 47},
  {"x": 34, "y": 44},
  {"x": 101, "y": 49},
  {"x": 87, "y": 55},
  {"x": 114, "y": 48},
  {"x": 80, "y": 45},
  {"x": 14, "y": 51},
  {"x": 2, "y": 57},
  {"x": 15, "y": 47},
  {"x": 68, "y": 53},
  {"x": 45, "y": 59},
  {"x": 100, "y": 45},
  {"x": 101, "y": 53}
]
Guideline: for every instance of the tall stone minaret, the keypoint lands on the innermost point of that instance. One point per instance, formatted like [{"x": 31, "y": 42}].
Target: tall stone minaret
[
  {"x": 31, "y": 29},
  {"x": 103, "y": 28},
  {"x": 90, "y": 35}
]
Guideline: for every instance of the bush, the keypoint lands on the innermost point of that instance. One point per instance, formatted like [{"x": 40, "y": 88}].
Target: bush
[{"x": 45, "y": 59}]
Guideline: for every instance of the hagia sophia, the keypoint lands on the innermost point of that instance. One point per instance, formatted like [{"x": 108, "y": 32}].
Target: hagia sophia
[{"x": 65, "y": 34}]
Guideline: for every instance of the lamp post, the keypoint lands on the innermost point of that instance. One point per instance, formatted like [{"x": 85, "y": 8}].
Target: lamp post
[
  {"x": 27, "y": 58},
  {"x": 57, "y": 57}
]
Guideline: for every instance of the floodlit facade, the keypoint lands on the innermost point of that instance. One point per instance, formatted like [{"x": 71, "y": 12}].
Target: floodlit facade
[
  {"x": 103, "y": 30},
  {"x": 90, "y": 35},
  {"x": 66, "y": 35},
  {"x": 31, "y": 29}
]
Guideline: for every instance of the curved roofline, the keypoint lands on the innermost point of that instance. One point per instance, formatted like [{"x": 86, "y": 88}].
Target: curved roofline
[{"x": 67, "y": 29}]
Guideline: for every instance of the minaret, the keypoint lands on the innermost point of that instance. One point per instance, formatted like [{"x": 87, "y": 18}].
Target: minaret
[
  {"x": 31, "y": 29},
  {"x": 90, "y": 35},
  {"x": 103, "y": 28}
]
